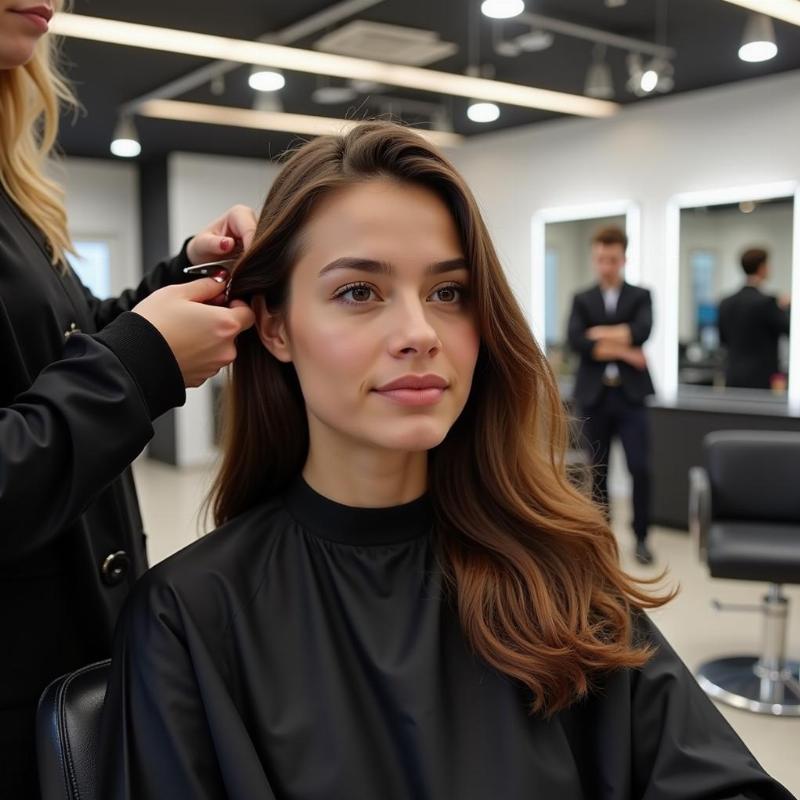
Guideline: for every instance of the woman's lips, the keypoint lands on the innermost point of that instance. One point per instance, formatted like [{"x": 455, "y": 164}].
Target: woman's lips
[
  {"x": 39, "y": 16},
  {"x": 414, "y": 390},
  {"x": 412, "y": 397}
]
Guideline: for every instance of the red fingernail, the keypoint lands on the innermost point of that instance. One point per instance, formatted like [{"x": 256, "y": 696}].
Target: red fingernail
[{"x": 226, "y": 244}]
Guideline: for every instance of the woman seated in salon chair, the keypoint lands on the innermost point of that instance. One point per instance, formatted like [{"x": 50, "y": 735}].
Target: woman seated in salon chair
[{"x": 405, "y": 597}]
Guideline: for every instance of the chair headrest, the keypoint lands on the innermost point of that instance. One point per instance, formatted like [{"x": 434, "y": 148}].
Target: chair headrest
[
  {"x": 754, "y": 475},
  {"x": 68, "y": 730}
]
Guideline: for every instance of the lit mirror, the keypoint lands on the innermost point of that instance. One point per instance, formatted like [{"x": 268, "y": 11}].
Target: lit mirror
[{"x": 735, "y": 286}]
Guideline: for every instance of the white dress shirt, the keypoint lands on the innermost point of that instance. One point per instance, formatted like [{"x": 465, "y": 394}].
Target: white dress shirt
[{"x": 611, "y": 298}]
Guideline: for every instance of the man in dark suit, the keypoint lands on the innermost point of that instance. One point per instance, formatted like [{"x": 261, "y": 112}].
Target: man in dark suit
[
  {"x": 750, "y": 326},
  {"x": 608, "y": 325}
]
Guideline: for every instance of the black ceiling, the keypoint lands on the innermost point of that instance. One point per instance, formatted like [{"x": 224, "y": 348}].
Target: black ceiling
[{"x": 705, "y": 34}]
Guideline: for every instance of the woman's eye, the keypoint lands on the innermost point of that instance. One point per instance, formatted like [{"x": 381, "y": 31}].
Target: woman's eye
[
  {"x": 452, "y": 293},
  {"x": 356, "y": 294}
]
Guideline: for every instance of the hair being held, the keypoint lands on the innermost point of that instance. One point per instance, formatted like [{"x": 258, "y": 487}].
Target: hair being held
[{"x": 530, "y": 562}]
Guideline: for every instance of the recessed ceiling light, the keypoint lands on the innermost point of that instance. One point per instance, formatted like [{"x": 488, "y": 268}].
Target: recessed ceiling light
[
  {"x": 502, "y": 9},
  {"x": 125, "y": 143},
  {"x": 758, "y": 42},
  {"x": 266, "y": 80},
  {"x": 755, "y": 52},
  {"x": 649, "y": 80},
  {"x": 483, "y": 112}
]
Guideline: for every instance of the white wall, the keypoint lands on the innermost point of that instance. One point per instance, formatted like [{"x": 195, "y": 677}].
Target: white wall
[
  {"x": 102, "y": 200},
  {"x": 734, "y": 136},
  {"x": 201, "y": 188}
]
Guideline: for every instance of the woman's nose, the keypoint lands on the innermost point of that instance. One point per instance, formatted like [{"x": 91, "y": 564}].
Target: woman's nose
[{"x": 413, "y": 332}]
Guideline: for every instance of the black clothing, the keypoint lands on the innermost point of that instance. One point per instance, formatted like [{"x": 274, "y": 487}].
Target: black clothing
[
  {"x": 750, "y": 326},
  {"x": 306, "y": 651},
  {"x": 615, "y": 415},
  {"x": 74, "y": 412},
  {"x": 620, "y": 411},
  {"x": 634, "y": 308}
]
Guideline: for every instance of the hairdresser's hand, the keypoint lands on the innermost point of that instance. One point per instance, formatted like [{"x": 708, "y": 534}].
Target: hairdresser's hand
[
  {"x": 230, "y": 234},
  {"x": 202, "y": 337}
]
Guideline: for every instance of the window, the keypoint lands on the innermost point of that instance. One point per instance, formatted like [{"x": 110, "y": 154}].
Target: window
[
  {"x": 703, "y": 265},
  {"x": 93, "y": 266}
]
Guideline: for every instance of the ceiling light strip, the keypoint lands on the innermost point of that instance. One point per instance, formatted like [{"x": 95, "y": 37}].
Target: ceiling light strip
[
  {"x": 786, "y": 10},
  {"x": 290, "y": 58},
  {"x": 268, "y": 120}
]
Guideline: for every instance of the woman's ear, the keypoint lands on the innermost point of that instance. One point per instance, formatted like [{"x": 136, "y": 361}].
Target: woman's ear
[{"x": 271, "y": 329}]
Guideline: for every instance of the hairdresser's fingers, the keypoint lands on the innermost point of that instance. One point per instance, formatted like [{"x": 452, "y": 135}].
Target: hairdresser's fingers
[
  {"x": 210, "y": 246},
  {"x": 243, "y": 314},
  {"x": 221, "y": 299},
  {"x": 203, "y": 290},
  {"x": 240, "y": 223},
  {"x": 225, "y": 236}
]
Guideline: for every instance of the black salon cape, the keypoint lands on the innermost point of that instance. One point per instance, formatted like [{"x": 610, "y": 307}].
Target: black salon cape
[{"x": 305, "y": 651}]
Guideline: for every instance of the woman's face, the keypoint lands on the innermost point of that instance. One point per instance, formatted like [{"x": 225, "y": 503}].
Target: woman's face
[
  {"x": 379, "y": 325},
  {"x": 22, "y": 24}
]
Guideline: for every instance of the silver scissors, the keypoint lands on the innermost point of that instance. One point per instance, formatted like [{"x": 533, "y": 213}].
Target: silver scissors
[{"x": 209, "y": 268}]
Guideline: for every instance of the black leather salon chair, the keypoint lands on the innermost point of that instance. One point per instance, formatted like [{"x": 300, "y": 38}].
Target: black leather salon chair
[
  {"x": 744, "y": 510},
  {"x": 67, "y": 733}
]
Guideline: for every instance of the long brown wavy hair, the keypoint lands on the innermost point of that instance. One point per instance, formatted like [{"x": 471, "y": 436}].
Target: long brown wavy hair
[{"x": 530, "y": 562}]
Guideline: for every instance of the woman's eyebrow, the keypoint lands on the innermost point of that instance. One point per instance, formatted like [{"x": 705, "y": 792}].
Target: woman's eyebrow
[{"x": 382, "y": 267}]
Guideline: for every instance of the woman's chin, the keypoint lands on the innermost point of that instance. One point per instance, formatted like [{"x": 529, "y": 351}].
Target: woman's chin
[
  {"x": 16, "y": 55},
  {"x": 412, "y": 439}
]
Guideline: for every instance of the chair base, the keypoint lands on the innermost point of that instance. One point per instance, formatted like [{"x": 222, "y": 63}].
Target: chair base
[{"x": 741, "y": 681}]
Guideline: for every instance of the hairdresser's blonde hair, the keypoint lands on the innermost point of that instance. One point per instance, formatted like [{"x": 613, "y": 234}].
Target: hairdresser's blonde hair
[{"x": 30, "y": 97}]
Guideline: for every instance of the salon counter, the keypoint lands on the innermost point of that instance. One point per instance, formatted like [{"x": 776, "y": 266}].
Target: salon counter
[{"x": 678, "y": 429}]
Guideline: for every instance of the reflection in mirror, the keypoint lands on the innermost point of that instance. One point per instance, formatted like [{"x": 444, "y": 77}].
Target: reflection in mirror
[
  {"x": 735, "y": 279},
  {"x": 568, "y": 270}
]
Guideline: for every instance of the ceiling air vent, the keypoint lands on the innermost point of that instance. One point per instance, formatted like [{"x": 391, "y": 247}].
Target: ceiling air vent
[{"x": 392, "y": 43}]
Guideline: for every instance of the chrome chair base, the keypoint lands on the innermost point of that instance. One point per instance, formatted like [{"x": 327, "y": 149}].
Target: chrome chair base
[{"x": 742, "y": 682}]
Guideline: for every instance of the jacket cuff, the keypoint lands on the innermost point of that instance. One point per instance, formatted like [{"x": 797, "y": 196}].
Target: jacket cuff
[
  {"x": 178, "y": 263},
  {"x": 146, "y": 355}
]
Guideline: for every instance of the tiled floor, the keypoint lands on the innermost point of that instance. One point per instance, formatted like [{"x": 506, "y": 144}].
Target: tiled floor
[{"x": 170, "y": 500}]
